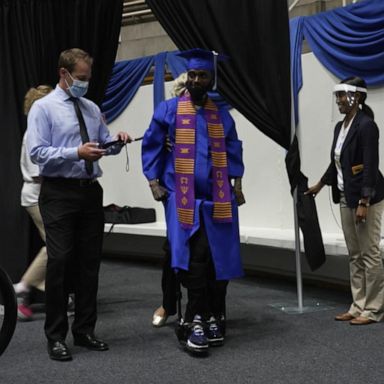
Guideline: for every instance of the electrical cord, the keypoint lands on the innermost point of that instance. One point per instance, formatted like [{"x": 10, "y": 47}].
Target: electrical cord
[{"x": 126, "y": 152}]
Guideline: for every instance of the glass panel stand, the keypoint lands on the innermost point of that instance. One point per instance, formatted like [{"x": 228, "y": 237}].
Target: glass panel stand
[{"x": 290, "y": 307}]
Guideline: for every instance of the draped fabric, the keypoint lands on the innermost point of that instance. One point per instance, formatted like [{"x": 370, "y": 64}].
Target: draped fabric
[
  {"x": 32, "y": 34},
  {"x": 296, "y": 69},
  {"x": 256, "y": 79},
  {"x": 128, "y": 75},
  {"x": 126, "y": 78},
  {"x": 347, "y": 41},
  {"x": 159, "y": 95}
]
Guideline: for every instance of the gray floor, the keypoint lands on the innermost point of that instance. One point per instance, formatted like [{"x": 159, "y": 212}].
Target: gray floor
[{"x": 264, "y": 345}]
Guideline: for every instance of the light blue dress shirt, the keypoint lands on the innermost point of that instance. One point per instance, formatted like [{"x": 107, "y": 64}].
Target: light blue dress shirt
[{"x": 53, "y": 135}]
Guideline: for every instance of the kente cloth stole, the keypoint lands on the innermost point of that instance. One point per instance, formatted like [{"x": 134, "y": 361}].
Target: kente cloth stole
[{"x": 185, "y": 162}]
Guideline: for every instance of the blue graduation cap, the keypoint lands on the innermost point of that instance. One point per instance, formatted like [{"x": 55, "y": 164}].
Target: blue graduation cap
[{"x": 203, "y": 59}]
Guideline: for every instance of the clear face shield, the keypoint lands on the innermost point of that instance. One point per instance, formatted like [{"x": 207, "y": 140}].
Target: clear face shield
[{"x": 344, "y": 98}]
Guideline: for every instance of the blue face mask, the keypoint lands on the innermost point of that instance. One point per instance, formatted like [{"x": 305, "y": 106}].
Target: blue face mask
[{"x": 78, "y": 88}]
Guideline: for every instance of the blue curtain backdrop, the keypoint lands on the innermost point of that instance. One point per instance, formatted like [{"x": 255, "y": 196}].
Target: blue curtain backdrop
[
  {"x": 347, "y": 41},
  {"x": 127, "y": 77}
]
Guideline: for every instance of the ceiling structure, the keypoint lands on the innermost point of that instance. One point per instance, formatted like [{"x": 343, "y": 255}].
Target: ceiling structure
[{"x": 138, "y": 12}]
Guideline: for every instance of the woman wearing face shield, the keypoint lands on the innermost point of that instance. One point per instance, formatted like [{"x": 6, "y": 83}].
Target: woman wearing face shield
[{"x": 358, "y": 186}]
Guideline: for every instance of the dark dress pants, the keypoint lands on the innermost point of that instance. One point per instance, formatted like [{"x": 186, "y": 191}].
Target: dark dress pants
[
  {"x": 169, "y": 283},
  {"x": 206, "y": 295},
  {"x": 74, "y": 223}
]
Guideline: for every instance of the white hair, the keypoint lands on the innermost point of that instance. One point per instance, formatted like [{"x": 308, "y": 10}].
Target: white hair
[{"x": 179, "y": 84}]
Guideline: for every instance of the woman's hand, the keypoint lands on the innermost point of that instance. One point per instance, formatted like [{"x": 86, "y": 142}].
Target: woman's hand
[
  {"x": 361, "y": 214},
  {"x": 315, "y": 189}
]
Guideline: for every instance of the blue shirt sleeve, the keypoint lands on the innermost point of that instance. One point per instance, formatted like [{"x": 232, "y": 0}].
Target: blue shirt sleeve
[
  {"x": 39, "y": 139},
  {"x": 53, "y": 135}
]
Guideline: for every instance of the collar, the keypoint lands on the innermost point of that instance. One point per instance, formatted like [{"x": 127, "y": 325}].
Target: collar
[
  {"x": 350, "y": 122},
  {"x": 61, "y": 93}
]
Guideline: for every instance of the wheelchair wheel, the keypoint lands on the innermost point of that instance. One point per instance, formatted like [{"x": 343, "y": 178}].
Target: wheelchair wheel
[{"x": 8, "y": 310}]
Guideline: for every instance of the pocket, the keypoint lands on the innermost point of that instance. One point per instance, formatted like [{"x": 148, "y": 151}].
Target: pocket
[{"x": 356, "y": 169}]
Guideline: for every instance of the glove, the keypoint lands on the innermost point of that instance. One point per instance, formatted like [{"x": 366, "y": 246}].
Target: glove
[
  {"x": 159, "y": 193},
  {"x": 240, "y": 200}
]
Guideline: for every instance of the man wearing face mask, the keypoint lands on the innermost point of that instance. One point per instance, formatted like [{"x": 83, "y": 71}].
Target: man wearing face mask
[
  {"x": 65, "y": 136},
  {"x": 194, "y": 182}
]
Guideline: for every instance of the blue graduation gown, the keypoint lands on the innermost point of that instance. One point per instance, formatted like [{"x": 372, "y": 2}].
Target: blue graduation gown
[{"x": 158, "y": 163}]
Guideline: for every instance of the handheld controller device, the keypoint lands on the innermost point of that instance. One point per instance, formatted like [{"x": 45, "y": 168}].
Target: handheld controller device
[
  {"x": 111, "y": 143},
  {"x": 118, "y": 142}
]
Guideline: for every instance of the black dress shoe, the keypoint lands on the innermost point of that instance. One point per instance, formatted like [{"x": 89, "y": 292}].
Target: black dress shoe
[
  {"x": 58, "y": 350},
  {"x": 89, "y": 341}
]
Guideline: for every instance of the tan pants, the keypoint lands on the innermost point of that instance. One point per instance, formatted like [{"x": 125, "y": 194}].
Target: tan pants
[
  {"x": 365, "y": 263},
  {"x": 35, "y": 274}
]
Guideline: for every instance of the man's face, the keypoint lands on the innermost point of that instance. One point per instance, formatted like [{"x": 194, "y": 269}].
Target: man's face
[
  {"x": 199, "y": 82},
  {"x": 82, "y": 71}
]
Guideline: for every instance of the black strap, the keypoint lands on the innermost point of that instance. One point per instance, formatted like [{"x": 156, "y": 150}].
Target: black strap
[
  {"x": 110, "y": 229},
  {"x": 83, "y": 132}
]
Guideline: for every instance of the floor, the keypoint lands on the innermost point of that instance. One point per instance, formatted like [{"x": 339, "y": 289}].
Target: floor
[{"x": 264, "y": 344}]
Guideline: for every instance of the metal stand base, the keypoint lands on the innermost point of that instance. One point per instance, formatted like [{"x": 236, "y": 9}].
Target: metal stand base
[{"x": 311, "y": 305}]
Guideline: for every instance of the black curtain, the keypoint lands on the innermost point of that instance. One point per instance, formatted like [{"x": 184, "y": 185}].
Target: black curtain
[
  {"x": 256, "y": 79},
  {"x": 255, "y": 35},
  {"x": 32, "y": 35}
]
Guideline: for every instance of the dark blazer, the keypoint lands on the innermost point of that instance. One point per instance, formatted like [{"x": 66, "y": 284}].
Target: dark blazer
[{"x": 359, "y": 160}]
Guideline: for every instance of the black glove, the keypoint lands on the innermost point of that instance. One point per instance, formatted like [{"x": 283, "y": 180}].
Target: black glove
[
  {"x": 159, "y": 193},
  {"x": 240, "y": 200}
]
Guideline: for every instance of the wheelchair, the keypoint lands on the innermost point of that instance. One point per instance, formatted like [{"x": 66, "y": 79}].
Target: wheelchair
[{"x": 8, "y": 310}]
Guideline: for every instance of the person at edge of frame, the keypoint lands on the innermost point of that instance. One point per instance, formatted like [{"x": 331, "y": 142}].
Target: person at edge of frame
[{"x": 358, "y": 186}]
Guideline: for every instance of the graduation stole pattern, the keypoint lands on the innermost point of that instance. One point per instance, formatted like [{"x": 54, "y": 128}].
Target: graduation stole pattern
[{"x": 185, "y": 162}]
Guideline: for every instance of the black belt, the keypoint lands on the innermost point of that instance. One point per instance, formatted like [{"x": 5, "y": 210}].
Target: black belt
[{"x": 77, "y": 182}]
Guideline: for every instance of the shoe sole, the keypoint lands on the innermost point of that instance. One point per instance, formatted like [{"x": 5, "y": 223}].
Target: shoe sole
[
  {"x": 216, "y": 342},
  {"x": 196, "y": 348},
  {"x": 90, "y": 348},
  {"x": 197, "y": 351},
  {"x": 347, "y": 319},
  {"x": 24, "y": 318},
  {"x": 194, "y": 351},
  {"x": 366, "y": 323}
]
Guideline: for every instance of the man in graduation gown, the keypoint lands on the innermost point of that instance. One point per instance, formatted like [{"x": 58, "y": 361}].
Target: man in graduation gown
[{"x": 199, "y": 182}]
